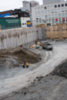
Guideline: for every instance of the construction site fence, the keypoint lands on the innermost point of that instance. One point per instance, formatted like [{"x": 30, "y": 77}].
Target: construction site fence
[{"x": 58, "y": 31}]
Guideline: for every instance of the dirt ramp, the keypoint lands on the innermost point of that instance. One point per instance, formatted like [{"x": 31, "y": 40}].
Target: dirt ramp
[{"x": 61, "y": 70}]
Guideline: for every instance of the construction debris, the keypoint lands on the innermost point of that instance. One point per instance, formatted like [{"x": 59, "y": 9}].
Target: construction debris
[{"x": 36, "y": 45}]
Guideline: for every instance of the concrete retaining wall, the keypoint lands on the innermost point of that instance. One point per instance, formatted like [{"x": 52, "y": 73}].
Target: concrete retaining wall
[{"x": 15, "y": 37}]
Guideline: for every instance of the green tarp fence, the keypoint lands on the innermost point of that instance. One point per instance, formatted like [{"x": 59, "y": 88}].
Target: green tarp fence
[{"x": 8, "y": 23}]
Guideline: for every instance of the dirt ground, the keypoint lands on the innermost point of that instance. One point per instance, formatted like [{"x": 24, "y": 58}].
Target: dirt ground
[
  {"x": 51, "y": 87},
  {"x": 61, "y": 70},
  {"x": 35, "y": 85},
  {"x": 20, "y": 55}
]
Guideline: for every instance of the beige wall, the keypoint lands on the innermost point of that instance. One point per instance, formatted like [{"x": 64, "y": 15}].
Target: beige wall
[{"x": 58, "y": 31}]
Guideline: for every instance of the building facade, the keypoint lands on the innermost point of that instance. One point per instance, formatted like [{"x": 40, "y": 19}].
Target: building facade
[
  {"x": 51, "y": 1},
  {"x": 24, "y": 21},
  {"x": 50, "y": 13},
  {"x": 28, "y": 5},
  {"x": 34, "y": 3},
  {"x": 14, "y": 19}
]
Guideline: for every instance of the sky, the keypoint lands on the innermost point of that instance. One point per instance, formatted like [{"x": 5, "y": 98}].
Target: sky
[{"x": 12, "y": 4}]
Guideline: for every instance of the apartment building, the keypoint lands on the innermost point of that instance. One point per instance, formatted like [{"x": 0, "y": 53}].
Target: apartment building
[
  {"x": 50, "y": 13},
  {"x": 51, "y": 1},
  {"x": 27, "y": 5}
]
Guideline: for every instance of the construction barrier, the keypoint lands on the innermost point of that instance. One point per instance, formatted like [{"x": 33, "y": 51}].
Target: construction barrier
[{"x": 58, "y": 31}]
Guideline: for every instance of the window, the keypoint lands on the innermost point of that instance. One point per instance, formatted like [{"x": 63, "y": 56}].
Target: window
[
  {"x": 45, "y": 7},
  {"x": 40, "y": 20},
  {"x": 66, "y": 4},
  {"x": 62, "y": 5},
  {"x": 55, "y": 6},
  {"x": 45, "y": 16},
  {"x": 36, "y": 19},
  {"x": 23, "y": 23},
  {"x": 44, "y": 21},
  {"x": 58, "y": 5}
]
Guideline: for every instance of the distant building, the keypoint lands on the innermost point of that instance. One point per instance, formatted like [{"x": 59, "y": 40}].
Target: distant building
[
  {"x": 14, "y": 13},
  {"x": 50, "y": 13},
  {"x": 34, "y": 3},
  {"x": 22, "y": 17},
  {"x": 51, "y": 1},
  {"x": 27, "y": 5},
  {"x": 21, "y": 13}
]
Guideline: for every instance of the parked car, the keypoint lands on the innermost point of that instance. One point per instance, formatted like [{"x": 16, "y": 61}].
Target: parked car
[{"x": 47, "y": 46}]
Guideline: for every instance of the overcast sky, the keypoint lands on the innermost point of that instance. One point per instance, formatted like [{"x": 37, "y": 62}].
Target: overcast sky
[{"x": 12, "y": 4}]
